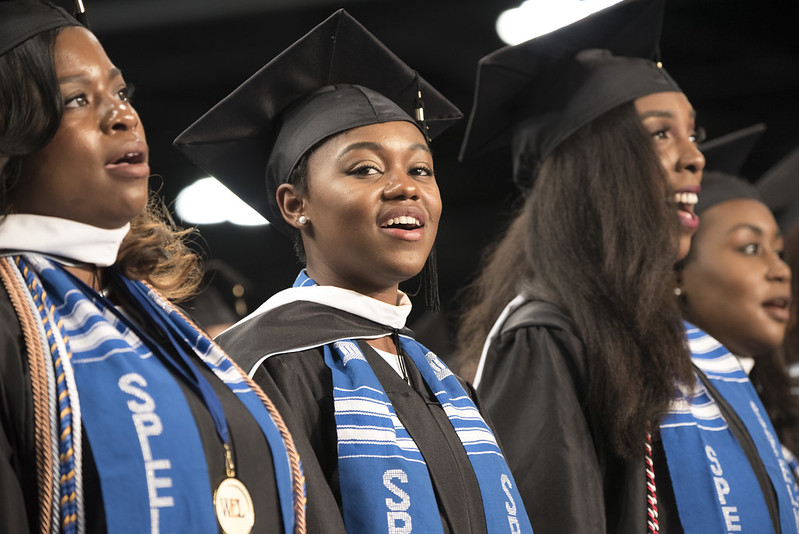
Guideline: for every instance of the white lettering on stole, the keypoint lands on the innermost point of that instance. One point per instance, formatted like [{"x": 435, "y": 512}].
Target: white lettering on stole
[
  {"x": 787, "y": 476},
  {"x": 148, "y": 424},
  {"x": 730, "y": 513},
  {"x": 510, "y": 505},
  {"x": 399, "y": 520}
]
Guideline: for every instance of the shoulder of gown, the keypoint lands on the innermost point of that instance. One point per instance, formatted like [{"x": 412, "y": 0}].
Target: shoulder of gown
[
  {"x": 534, "y": 388},
  {"x": 295, "y": 384},
  {"x": 293, "y": 327}
]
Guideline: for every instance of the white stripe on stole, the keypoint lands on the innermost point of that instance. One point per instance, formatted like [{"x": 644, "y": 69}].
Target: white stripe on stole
[
  {"x": 80, "y": 311},
  {"x": 723, "y": 365},
  {"x": 694, "y": 423},
  {"x": 371, "y": 434},
  {"x": 384, "y": 456},
  {"x": 211, "y": 355},
  {"x": 466, "y": 413},
  {"x": 703, "y": 345},
  {"x": 695, "y": 408},
  {"x": 230, "y": 376},
  {"x": 362, "y": 405},
  {"x": 473, "y": 436},
  {"x": 359, "y": 388},
  {"x": 77, "y": 360},
  {"x": 706, "y": 412},
  {"x": 83, "y": 339},
  {"x": 700, "y": 405},
  {"x": 362, "y": 435},
  {"x": 93, "y": 338}
]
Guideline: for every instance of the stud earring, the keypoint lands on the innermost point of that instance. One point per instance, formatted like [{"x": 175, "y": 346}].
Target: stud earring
[
  {"x": 303, "y": 220},
  {"x": 677, "y": 291}
]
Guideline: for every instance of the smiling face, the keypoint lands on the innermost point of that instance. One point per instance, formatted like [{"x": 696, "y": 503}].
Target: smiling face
[
  {"x": 669, "y": 118},
  {"x": 95, "y": 169},
  {"x": 736, "y": 286},
  {"x": 372, "y": 207}
]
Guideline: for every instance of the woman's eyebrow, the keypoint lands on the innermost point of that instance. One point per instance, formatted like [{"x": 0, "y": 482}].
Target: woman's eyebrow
[
  {"x": 83, "y": 78},
  {"x": 377, "y": 147},
  {"x": 662, "y": 113},
  {"x": 746, "y": 226}
]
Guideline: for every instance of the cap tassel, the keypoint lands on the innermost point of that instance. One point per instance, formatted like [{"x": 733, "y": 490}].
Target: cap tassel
[
  {"x": 419, "y": 110},
  {"x": 430, "y": 282},
  {"x": 80, "y": 13}
]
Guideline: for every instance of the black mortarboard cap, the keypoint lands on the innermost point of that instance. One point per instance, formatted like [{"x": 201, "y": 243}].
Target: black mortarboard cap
[
  {"x": 22, "y": 19},
  {"x": 729, "y": 152},
  {"x": 336, "y": 77},
  {"x": 724, "y": 158},
  {"x": 534, "y": 95},
  {"x": 718, "y": 187},
  {"x": 779, "y": 188}
]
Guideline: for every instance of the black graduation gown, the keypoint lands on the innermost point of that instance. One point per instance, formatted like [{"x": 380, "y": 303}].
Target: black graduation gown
[
  {"x": 18, "y": 485},
  {"x": 306, "y": 383},
  {"x": 534, "y": 387}
]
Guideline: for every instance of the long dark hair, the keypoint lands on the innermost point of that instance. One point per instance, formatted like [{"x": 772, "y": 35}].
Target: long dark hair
[
  {"x": 597, "y": 236},
  {"x": 31, "y": 108}
]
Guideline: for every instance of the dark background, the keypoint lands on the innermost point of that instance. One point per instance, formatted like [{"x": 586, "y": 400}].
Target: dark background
[{"x": 737, "y": 60}]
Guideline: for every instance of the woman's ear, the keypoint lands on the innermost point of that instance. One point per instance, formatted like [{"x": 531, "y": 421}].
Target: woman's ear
[{"x": 291, "y": 206}]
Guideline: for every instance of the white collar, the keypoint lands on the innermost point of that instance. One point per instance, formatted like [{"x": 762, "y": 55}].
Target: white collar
[
  {"x": 747, "y": 362},
  {"x": 344, "y": 300},
  {"x": 62, "y": 238}
]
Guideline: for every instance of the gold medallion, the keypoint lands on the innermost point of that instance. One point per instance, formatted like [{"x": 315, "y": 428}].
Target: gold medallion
[{"x": 233, "y": 506}]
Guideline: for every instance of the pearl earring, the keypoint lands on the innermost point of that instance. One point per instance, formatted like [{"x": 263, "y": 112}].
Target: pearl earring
[
  {"x": 677, "y": 291},
  {"x": 303, "y": 220}
]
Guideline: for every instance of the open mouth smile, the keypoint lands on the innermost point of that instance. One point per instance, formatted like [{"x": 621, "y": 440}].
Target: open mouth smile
[
  {"x": 403, "y": 222},
  {"x": 686, "y": 200},
  {"x": 778, "y": 308}
]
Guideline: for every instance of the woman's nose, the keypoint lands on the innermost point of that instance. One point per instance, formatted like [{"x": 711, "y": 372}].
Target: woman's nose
[{"x": 119, "y": 115}]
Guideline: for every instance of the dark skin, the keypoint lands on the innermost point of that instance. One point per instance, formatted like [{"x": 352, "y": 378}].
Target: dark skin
[
  {"x": 670, "y": 119},
  {"x": 95, "y": 169},
  {"x": 735, "y": 282},
  {"x": 371, "y": 210}
]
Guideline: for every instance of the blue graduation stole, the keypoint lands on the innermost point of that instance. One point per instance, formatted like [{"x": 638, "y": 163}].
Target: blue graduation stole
[
  {"x": 385, "y": 484},
  {"x": 714, "y": 484},
  {"x": 152, "y": 467}
]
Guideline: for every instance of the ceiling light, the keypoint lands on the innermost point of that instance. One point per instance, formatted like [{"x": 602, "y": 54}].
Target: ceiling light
[
  {"x": 207, "y": 201},
  {"x": 539, "y": 17}
]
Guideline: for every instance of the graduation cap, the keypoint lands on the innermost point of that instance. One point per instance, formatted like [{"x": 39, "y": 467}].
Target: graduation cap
[
  {"x": 779, "y": 188},
  {"x": 336, "y": 77},
  {"x": 724, "y": 159},
  {"x": 729, "y": 152},
  {"x": 534, "y": 95},
  {"x": 22, "y": 19}
]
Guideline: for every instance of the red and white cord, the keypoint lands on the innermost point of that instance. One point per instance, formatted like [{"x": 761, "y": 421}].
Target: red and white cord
[{"x": 651, "y": 489}]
